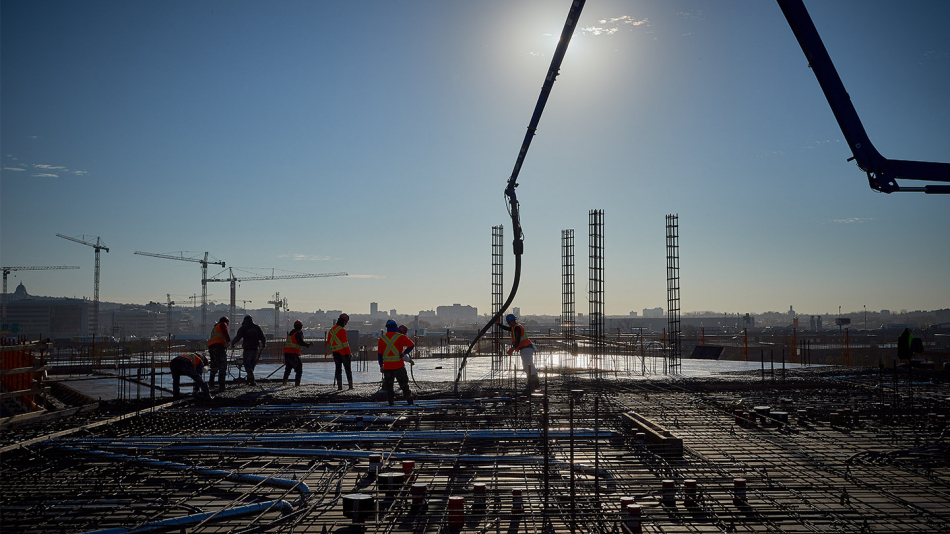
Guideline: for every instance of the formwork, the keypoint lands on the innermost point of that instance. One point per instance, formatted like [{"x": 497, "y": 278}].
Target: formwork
[{"x": 807, "y": 452}]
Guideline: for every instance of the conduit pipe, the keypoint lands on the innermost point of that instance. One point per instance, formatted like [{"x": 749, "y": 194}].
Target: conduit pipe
[
  {"x": 280, "y": 483},
  {"x": 281, "y": 506},
  {"x": 429, "y": 436},
  {"x": 364, "y": 454},
  {"x": 357, "y": 407}
]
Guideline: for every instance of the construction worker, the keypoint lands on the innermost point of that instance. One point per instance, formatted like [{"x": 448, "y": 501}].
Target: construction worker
[
  {"x": 521, "y": 343},
  {"x": 292, "y": 349},
  {"x": 336, "y": 339},
  {"x": 253, "y": 344},
  {"x": 218, "y": 349},
  {"x": 191, "y": 365},
  {"x": 391, "y": 349}
]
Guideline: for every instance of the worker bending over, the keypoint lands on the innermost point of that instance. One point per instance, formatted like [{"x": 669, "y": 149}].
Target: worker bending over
[
  {"x": 191, "y": 365},
  {"x": 521, "y": 343},
  {"x": 336, "y": 340},
  {"x": 292, "y": 349},
  {"x": 392, "y": 347},
  {"x": 217, "y": 348}
]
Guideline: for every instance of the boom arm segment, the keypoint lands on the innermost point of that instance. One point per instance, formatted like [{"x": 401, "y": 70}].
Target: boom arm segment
[{"x": 882, "y": 172}]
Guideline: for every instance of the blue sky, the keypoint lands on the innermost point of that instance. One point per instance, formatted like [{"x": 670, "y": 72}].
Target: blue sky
[{"x": 376, "y": 138}]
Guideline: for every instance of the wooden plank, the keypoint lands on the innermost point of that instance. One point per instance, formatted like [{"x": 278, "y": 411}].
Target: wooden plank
[
  {"x": 45, "y": 415},
  {"x": 21, "y": 370},
  {"x": 91, "y": 425},
  {"x": 22, "y": 392}
]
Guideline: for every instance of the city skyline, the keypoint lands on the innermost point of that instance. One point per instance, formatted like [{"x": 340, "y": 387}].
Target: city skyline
[
  {"x": 242, "y": 309},
  {"x": 376, "y": 138}
]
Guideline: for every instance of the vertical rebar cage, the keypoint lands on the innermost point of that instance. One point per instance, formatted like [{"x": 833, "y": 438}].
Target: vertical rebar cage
[
  {"x": 499, "y": 363},
  {"x": 674, "y": 360},
  {"x": 596, "y": 288},
  {"x": 568, "y": 317}
]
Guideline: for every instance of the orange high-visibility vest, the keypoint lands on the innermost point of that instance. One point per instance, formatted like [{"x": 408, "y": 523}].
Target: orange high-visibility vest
[
  {"x": 338, "y": 343},
  {"x": 524, "y": 338},
  {"x": 393, "y": 344},
  {"x": 217, "y": 335},
  {"x": 291, "y": 346},
  {"x": 193, "y": 358}
]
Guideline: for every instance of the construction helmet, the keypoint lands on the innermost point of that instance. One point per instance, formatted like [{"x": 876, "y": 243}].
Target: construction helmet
[
  {"x": 403, "y": 330},
  {"x": 344, "y": 317},
  {"x": 224, "y": 320},
  {"x": 298, "y": 324},
  {"x": 390, "y": 323},
  {"x": 510, "y": 318}
]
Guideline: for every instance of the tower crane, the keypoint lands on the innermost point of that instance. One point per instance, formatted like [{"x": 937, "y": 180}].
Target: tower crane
[
  {"x": 204, "y": 275},
  {"x": 234, "y": 280},
  {"x": 8, "y": 270},
  {"x": 95, "y": 301},
  {"x": 278, "y": 304}
]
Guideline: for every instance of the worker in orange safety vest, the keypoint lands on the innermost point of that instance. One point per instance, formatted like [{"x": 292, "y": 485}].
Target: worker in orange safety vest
[
  {"x": 292, "y": 349},
  {"x": 336, "y": 340},
  {"x": 393, "y": 346},
  {"x": 190, "y": 365},
  {"x": 217, "y": 348},
  {"x": 521, "y": 343}
]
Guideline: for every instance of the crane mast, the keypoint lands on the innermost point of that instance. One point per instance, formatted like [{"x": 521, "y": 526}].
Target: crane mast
[
  {"x": 98, "y": 246},
  {"x": 278, "y": 304}
]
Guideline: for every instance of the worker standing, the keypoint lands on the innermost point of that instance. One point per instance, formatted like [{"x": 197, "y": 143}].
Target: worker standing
[
  {"x": 336, "y": 339},
  {"x": 191, "y": 365},
  {"x": 253, "y": 341},
  {"x": 521, "y": 343},
  {"x": 390, "y": 350},
  {"x": 292, "y": 349},
  {"x": 218, "y": 349}
]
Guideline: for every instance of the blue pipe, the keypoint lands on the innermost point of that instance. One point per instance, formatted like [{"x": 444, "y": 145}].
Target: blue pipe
[
  {"x": 281, "y": 483},
  {"x": 281, "y": 506}
]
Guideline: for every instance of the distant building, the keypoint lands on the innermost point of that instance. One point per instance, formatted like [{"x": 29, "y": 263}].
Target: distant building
[
  {"x": 457, "y": 313},
  {"x": 392, "y": 313},
  {"x": 633, "y": 314},
  {"x": 126, "y": 323},
  {"x": 427, "y": 314},
  {"x": 39, "y": 317},
  {"x": 373, "y": 309},
  {"x": 653, "y": 312},
  {"x": 516, "y": 311}
]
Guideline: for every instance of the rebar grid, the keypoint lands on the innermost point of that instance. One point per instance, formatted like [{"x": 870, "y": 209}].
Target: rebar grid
[{"x": 812, "y": 474}]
